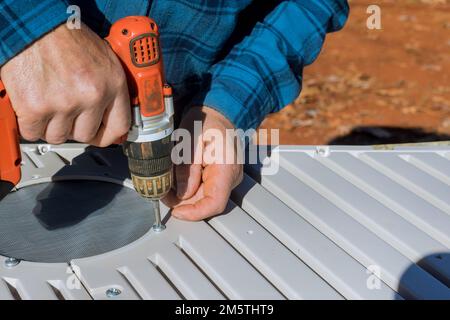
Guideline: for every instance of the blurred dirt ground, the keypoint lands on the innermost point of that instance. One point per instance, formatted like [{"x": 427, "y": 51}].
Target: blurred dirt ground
[{"x": 377, "y": 86}]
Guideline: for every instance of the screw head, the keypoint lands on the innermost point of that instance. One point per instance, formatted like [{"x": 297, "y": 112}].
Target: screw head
[
  {"x": 323, "y": 151},
  {"x": 158, "y": 227},
  {"x": 11, "y": 262},
  {"x": 43, "y": 149},
  {"x": 113, "y": 292}
]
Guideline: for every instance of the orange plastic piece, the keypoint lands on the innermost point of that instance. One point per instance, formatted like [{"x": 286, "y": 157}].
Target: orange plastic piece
[
  {"x": 135, "y": 40},
  {"x": 167, "y": 90},
  {"x": 10, "y": 157}
]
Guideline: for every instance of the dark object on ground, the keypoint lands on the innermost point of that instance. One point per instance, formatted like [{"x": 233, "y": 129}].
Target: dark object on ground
[{"x": 387, "y": 135}]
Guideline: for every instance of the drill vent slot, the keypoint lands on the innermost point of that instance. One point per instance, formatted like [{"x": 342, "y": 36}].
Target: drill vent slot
[{"x": 145, "y": 50}]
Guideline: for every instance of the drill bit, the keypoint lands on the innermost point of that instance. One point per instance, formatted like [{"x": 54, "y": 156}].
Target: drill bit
[{"x": 157, "y": 226}]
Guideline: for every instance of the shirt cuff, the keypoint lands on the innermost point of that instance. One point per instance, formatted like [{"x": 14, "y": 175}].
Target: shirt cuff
[
  {"x": 244, "y": 103},
  {"x": 22, "y": 22},
  {"x": 230, "y": 107}
]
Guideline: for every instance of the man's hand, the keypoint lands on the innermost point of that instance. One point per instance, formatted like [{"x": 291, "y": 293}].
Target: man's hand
[
  {"x": 203, "y": 189},
  {"x": 69, "y": 85}
]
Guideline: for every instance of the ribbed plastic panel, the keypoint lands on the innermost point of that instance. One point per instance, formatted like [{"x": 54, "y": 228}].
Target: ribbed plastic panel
[{"x": 332, "y": 223}]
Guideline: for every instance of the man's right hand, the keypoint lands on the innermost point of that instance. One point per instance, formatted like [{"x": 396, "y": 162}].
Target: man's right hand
[{"x": 69, "y": 85}]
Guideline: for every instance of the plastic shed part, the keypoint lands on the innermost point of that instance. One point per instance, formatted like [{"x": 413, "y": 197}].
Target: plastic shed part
[{"x": 329, "y": 223}]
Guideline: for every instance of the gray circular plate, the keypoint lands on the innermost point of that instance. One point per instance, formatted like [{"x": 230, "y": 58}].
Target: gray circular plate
[{"x": 61, "y": 221}]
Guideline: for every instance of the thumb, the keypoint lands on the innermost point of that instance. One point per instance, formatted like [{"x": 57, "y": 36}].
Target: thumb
[{"x": 212, "y": 197}]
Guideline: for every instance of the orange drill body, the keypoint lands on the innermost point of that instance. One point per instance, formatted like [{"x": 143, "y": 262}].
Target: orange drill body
[
  {"x": 135, "y": 40},
  {"x": 10, "y": 157}
]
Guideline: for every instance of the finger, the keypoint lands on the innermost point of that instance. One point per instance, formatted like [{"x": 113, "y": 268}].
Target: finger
[
  {"x": 204, "y": 207},
  {"x": 86, "y": 126},
  {"x": 116, "y": 121},
  {"x": 171, "y": 200},
  {"x": 188, "y": 178},
  {"x": 32, "y": 128},
  {"x": 58, "y": 129},
  {"x": 217, "y": 184}
]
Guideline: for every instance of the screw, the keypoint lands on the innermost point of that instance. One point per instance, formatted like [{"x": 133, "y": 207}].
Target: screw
[
  {"x": 323, "y": 151},
  {"x": 11, "y": 262},
  {"x": 113, "y": 292},
  {"x": 158, "y": 227},
  {"x": 42, "y": 149}
]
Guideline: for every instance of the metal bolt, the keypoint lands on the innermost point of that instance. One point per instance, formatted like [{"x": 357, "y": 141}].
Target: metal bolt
[
  {"x": 158, "y": 227},
  {"x": 42, "y": 149},
  {"x": 11, "y": 262},
  {"x": 113, "y": 292},
  {"x": 323, "y": 151}
]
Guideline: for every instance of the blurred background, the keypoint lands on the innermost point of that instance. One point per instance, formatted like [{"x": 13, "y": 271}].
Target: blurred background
[{"x": 376, "y": 86}]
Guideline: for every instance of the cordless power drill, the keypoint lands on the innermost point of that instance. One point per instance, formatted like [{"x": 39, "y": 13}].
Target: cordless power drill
[{"x": 148, "y": 146}]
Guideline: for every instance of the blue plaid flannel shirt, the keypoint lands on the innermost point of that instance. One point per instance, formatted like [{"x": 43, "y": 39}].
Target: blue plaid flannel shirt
[{"x": 244, "y": 58}]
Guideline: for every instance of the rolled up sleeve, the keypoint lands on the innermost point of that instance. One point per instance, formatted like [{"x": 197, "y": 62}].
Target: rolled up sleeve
[{"x": 263, "y": 73}]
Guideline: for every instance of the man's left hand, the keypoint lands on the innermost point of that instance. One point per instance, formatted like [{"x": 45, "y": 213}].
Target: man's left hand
[{"x": 204, "y": 187}]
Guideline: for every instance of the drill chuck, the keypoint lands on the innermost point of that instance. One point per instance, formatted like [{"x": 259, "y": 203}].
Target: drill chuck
[{"x": 150, "y": 166}]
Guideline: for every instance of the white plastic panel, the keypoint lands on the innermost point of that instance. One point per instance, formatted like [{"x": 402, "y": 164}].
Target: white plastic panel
[
  {"x": 153, "y": 267},
  {"x": 289, "y": 274},
  {"x": 40, "y": 281},
  {"x": 434, "y": 164},
  {"x": 398, "y": 232},
  {"x": 5, "y": 292},
  {"x": 399, "y": 199},
  {"x": 229, "y": 270},
  {"x": 191, "y": 283},
  {"x": 147, "y": 281},
  {"x": 209, "y": 270},
  {"x": 424, "y": 185},
  {"x": 332, "y": 263},
  {"x": 291, "y": 185},
  {"x": 341, "y": 222}
]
